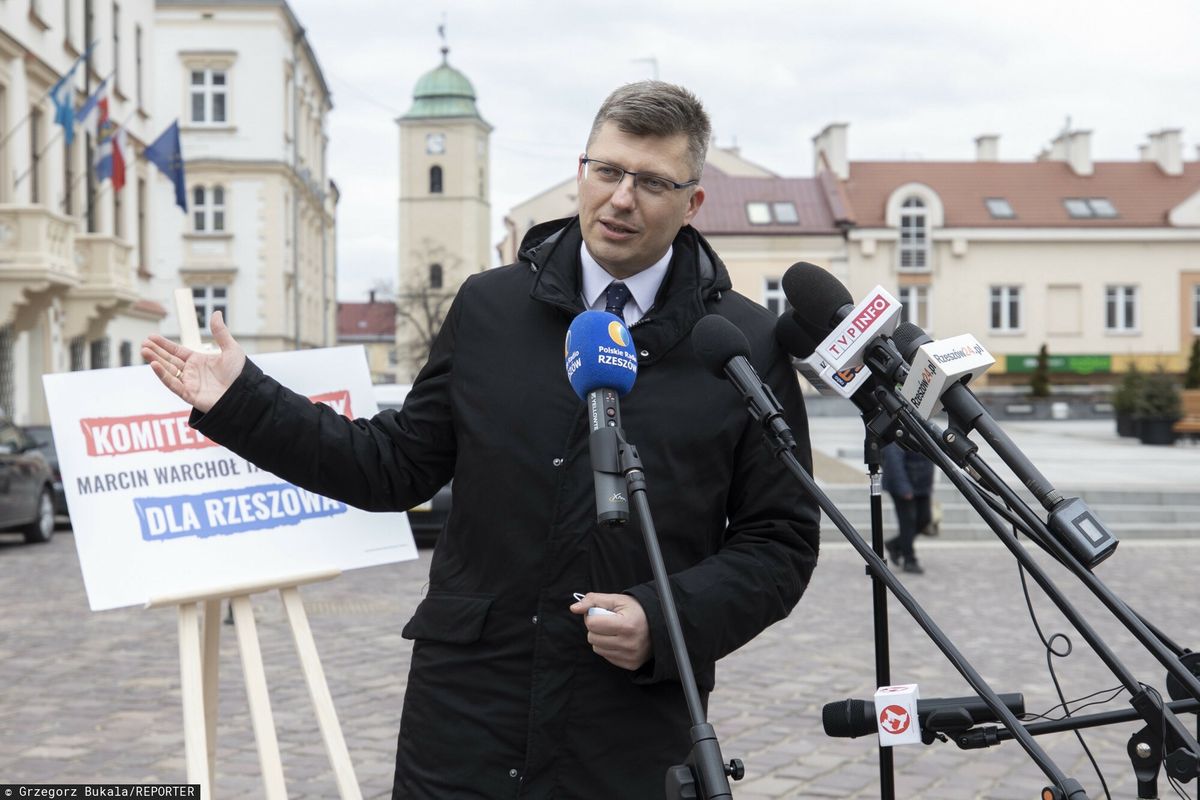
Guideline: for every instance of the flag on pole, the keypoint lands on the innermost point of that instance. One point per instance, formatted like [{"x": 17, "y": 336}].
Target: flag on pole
[
  {"x": 110, "y": 160},
  {"x": 85, "y": 115},
  {"x": 62, "y": 95},
  {"x": 166, "y": 154}
]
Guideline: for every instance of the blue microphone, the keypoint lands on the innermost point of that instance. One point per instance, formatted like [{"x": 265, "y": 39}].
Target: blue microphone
[{"x": 601, "y": 366}]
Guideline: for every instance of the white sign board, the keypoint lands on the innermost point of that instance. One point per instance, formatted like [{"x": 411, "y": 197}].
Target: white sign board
[{"x": 157, "y": 509}]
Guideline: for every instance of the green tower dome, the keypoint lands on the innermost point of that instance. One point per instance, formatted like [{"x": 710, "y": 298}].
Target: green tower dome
[{"x": 443, "y": 92}]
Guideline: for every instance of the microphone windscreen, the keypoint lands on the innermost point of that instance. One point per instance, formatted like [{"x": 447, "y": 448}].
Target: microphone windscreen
[
  {"x": 848, "y": 719},
  {"x": 793, "y": 338},
  {"x": 908, "y": 337},
  {"x": 599, "y": 354},
  {"x": 716, "y": 340},
  {"x": 815, "y": 294}
]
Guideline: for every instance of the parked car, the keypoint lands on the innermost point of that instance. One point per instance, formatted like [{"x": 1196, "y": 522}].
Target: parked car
[
  {"x": 427, "y": 519},
  {"x": 26, "y": 485},
  {"x": 45, "y": 442}
]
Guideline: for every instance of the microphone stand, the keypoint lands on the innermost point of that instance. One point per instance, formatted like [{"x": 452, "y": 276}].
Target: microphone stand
[
  {"x": 1145, "y": 746},
  {"x": 883, "y": 673},
  {"x": 1182, "y": 763},
  {"x": 705, "y": 768},
  {"x": 1063, "y": 788}
]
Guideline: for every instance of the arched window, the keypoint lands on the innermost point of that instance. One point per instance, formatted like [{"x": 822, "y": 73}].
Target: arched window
[
  {"x": 435, "y": 180},
  {"x": 914, "y": 239},
  {"x": 435, "y": 276}
]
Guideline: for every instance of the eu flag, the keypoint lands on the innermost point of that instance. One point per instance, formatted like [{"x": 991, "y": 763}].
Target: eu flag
[{"x": 166, "y": 154}]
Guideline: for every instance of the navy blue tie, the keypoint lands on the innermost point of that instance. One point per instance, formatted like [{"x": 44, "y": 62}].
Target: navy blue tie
[{"x": 615, "y": 298}]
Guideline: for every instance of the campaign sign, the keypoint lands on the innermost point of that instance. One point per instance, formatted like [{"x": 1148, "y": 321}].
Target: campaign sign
[{"x": 158, "y": 509}]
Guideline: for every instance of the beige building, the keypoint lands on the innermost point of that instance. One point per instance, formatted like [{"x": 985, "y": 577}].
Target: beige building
[
  {"x": 445, "y": 224},
  {"x": 75, "y": 288},
  {"x": 1100, "y": 261},
  {"x": 258, "y": 241}
]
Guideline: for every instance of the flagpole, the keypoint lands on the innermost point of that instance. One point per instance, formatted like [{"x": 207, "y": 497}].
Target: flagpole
[
  {"x": 57, "y": 135},
  {"x": 17, "y": 125}
]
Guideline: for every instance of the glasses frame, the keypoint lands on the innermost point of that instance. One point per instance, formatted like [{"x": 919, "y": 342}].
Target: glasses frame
[{"x": 584, "y": 160}]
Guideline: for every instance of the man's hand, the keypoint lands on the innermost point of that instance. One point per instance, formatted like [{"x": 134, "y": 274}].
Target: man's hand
[
  {"x": 198, "y": 378},
  {"x": 622, "y": 638}
]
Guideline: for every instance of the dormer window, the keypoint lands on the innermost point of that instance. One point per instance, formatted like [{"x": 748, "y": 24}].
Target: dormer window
[
  {"x": 763, "y": 213},
  {"x": 1090, "y": 207},
  {"x": 999, "y": 208},
  {"x": 758, "y": 213}
]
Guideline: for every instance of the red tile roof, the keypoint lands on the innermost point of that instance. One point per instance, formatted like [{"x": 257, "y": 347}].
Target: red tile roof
[
  {"x": 1142, "y": 194},
  {"x": 726, "y": 196},
  {"x": 357, "y": 321}
]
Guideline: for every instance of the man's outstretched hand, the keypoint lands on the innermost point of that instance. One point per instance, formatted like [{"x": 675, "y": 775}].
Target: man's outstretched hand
[{"x": 198, "y": 378}]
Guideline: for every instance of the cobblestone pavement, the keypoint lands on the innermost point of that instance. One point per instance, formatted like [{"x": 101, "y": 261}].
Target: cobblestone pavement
[{"x": 95, "y": 696}]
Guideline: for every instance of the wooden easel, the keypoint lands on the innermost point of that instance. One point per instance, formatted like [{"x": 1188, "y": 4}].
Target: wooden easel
[{"x": 199, "y": 657}]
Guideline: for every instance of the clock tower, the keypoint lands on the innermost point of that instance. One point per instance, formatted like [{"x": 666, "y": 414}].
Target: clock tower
[{"x": 445, "y": 216}]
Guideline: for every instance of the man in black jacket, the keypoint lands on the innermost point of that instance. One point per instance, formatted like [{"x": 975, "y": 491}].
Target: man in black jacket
[{"x": 514, "y": 691}]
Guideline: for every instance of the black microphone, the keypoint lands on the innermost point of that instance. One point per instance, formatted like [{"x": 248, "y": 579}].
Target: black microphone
[
  {"x": 849, "y": 719},
  {"x": 1070, "y": 518},
  {"x": 819, "y": 301},
  {"x": 724, "y": 351}
]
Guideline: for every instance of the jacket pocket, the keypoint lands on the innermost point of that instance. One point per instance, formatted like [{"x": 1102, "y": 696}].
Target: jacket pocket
[{"x": 449, "y": 618}]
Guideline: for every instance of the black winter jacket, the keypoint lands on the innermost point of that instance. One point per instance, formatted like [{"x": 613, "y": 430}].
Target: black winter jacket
[{"x": 505, "y": 698}]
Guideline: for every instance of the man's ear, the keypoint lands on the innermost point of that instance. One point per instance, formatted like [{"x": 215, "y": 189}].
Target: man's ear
[{"x": 694, "y": 203}]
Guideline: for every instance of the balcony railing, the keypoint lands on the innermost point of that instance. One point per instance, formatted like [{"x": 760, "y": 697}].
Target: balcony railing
[
  {"x": 37, "y": 246},
  {"x": 105, "y": 266}
]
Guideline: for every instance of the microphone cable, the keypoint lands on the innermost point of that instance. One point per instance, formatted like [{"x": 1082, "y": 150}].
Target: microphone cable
[
  {"x": 1018, "y": 526},
  {"x": 1051, "y": 654}
]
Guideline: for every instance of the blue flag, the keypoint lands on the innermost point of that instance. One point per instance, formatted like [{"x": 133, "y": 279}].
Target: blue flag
[
  {"x": 166, "y": 154},
  {"x": 62, "y": 96}
]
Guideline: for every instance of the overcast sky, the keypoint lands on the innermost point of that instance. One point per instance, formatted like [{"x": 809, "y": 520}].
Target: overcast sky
[{"x": 914, "y": 80}]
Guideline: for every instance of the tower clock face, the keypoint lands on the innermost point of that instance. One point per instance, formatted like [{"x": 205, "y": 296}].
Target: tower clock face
[{"x": 435, "y": 143}]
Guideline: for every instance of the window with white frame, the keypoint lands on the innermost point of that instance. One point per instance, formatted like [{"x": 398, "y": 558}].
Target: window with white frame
[
  {"x": 1121, "y": 308},
  {"x": 1196, "y": 309},
  {"x": 209, "y": 88},
  {"x": 1006, "y": 308},
  {"x": 208, "y": 299},
  {"x": 915, "y": 305},
  {"x": 774, "y": 298},
  {"x": 914, "y": 238},
  {"x": 208, "y": 209}
]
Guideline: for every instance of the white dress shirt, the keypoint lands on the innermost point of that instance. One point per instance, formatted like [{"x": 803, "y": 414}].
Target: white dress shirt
[{"x": 643, "y": 287}]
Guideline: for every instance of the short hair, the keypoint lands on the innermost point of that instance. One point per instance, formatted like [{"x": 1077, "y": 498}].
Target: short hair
[{"x": 657, "y": 108}]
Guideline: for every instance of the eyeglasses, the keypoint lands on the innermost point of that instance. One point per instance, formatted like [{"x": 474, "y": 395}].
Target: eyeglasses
[{"x": 654, "y": 185}]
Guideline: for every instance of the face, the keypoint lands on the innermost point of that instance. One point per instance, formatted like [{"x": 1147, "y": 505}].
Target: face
[{"x": 627, "y": 230}]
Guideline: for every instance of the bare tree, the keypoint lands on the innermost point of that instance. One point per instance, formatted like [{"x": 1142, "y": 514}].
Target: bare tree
[
  {"x": 422, "y": 303},
  {"x": 383, "y": 289}
]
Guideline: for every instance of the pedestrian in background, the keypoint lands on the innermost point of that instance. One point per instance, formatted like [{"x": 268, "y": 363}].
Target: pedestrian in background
[{"x": 908, "y": 478}]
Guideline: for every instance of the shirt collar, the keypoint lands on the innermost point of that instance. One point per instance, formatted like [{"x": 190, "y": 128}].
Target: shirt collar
[{"x": 643, "y": 286}]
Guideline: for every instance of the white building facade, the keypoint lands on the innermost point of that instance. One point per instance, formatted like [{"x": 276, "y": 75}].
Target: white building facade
[
  {"x": 75, "y": 288},
  {"x": 258, "y": 241}
]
